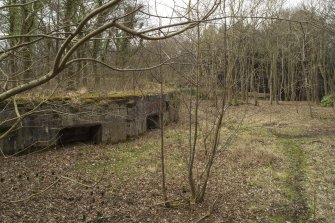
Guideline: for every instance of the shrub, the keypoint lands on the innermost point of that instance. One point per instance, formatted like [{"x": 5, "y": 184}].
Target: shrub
[{"x": 327, "y": 101}]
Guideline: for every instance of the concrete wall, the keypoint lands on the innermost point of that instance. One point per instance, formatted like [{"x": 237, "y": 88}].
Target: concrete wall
[{"x": 54, "y": 122}]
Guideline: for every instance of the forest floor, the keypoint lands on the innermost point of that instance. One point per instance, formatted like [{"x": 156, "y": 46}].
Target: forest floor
[{"x": 280, "y": 167}]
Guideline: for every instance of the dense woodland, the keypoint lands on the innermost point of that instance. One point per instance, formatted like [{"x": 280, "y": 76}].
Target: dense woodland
[{"x": 240, "y": 46}]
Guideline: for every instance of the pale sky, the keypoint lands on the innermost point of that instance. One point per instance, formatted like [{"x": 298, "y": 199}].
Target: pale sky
[
  {"x": 164, "y": 6},
  {"x": 294, "y": 2}
]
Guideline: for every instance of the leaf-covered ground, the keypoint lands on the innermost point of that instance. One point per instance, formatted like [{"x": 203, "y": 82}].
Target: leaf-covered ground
[{"x": 280, "y": 167}]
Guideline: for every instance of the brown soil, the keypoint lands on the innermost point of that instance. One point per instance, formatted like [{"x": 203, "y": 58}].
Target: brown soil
[{"x": 279, "y": 168}]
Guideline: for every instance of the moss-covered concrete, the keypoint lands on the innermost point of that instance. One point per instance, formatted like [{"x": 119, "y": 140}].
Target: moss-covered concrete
[{"x": 112, "y": 116}]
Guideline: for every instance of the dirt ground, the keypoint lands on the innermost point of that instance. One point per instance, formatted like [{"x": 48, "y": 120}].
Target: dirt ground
[{"x": 280, "y": 167}]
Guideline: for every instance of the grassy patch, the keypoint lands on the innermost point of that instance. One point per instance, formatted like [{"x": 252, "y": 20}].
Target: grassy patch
[
  {"x": 134, "y": 158},
  {"x": 124, "y": 160},
  {"x": 279, "y": 168},
  {"x": 288, "y": 133},
  {"x": 296, "y": 209},
  {"x": 321, "y": 174}
]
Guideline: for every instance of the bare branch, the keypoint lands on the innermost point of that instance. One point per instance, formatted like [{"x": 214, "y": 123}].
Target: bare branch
[
  {"x": 78, "y": 30},
  {"x": 38, "y": 193},
  {"x": 17, "y": 5},
  {"x": 118, "y": 69}
]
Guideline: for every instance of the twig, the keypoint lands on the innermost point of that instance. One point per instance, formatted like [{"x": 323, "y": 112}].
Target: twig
[
  {"x": 209, "y": 212},
  {"x": 86, "y": 185},
  {"x": 38, "y": 193},
  {"x": 164, "y": 202},
  {"x": 55, "y": 182},
  {"x": 20, "y": 117}
]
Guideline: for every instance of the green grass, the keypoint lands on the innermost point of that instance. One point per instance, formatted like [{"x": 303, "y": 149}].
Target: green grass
[
  {"x": 288, "y": 133},
  {"x": 276, "y": 161},
  {"x": 124, "y": 160},
  {"x": 288, "y": 172},
  {"x": 132, "y": 158},
  {"x": 296, "y": 209}
]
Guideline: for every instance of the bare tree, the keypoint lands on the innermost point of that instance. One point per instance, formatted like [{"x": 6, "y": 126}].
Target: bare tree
[{"x": 73, "y": 41}]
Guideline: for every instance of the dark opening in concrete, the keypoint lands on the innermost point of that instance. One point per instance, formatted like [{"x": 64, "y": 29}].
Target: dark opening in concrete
[
  {"x": 153, "y": 121},
  {"x": 4, "y": 129},
  {"x": 91, "y": 133},
  {"x": 10, "y": 141},
  {"x": 167, "y": 106}
]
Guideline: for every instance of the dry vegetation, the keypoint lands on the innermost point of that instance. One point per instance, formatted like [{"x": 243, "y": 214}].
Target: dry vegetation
[
  {"x": 274, "y": 163},
  {"x": 278, "y": 168}
]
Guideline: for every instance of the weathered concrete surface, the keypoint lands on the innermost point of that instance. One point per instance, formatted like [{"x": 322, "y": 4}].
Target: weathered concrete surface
[{"x": 88, "y": 119}]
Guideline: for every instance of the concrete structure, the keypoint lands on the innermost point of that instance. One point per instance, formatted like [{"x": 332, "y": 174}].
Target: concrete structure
[{"x": 86, "y": 119}]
